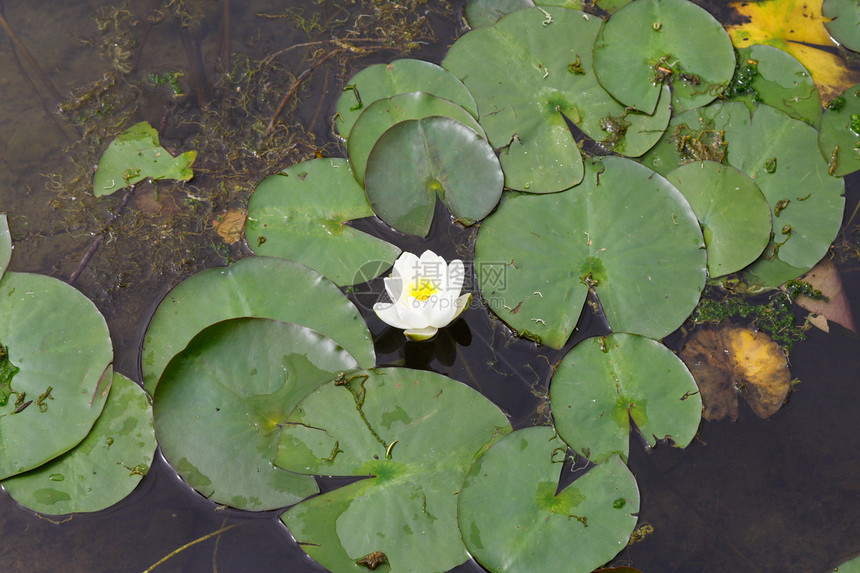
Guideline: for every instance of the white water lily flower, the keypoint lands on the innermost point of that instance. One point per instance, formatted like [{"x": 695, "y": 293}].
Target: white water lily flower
[{"x": 425, "y": 292}]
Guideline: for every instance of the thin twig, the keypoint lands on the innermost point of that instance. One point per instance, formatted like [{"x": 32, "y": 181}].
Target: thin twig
[
  {"x": 23, "y": 49},
  {"x": 223, "y": 50},
  {"x": 97, "y": 242},
  {"x": 195, "y": 63},
  {"x": 189, "y": 544},
  {"x": 302, "y": 77}
]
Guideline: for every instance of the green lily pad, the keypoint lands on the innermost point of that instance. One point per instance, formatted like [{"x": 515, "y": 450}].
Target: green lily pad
[
  {"x": 526, "y": 87},
  {"x": 732, "y": 211},
  {"x": 839, "y": 137},
  {"x": 301, "y": 214},
  {"x": 104, "y": 468},
  {"x": 61, "y": 351},
  {"x": 850, "y": 566},
  {"x": 400, "y": 76},
  {"x": 5, "y": 244},
  {"x": 415, "y": 433},
  {"x": 781, "y": 155},
  {"x": 262, "y": 287},
  {"x": 770, "y": 76},
  {"x": 135, "y": 155},
  {"x": 604, "y": 382},
  {"x": 625, "y": 232},
  {"x": 234, "y": 386},
  {"x": 385, "y": 113},
  {"x": 485, "y": 13},
  {"x": 419, "y": 159},
  {"x": 651, "y": 42},
  {"x": 842, "y": 20},
  {"x": 513, "y": 519}
]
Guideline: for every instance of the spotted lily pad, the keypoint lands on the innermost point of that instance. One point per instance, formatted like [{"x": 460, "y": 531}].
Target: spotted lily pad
[
  {"x": 385, "y": 113},
  {"x": 605, "y": 381},
  {"x": 734, "y": 215},
  {"x": 104, "y": 468},
  {"x": 414, "y": 434},
  {"x": 768, "y": 75},
  {"x": 651, "y": 42},
  {"x": 781, "y": 155},
  {"x": 527, "y": 90},
  {"x": 301, "y": 214},
  {"x": 625, "y": 232},
  {"x": 839, "y": 137},
  {"x": 400, "y": 76},
  {"x": 5, "y": 244},
  {"x": 60, "y": 351},
  {"x": 417, "y": 160},
  {"x": 263, "y": 287},
  {"x": 234, "y": 385},
  {"x": 513, "y": 519},
  {"x": 842, "y": 19},
  {"x": 135, "y": 155}
]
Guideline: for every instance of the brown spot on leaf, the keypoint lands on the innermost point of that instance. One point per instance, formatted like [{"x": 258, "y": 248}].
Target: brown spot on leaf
[{"x": 230, "y": 225}]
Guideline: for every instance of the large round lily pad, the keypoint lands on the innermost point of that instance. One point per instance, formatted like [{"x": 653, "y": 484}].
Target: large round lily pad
[
  {"x": 526, "y": 86},
  {"x": 604, "y": 382},
  {"x": 415, "y": 433},
  {"x": 773, "y": 77},
  {"x": 625, "y": 232},
  {"x": 222, "y": 401},
  {"x": 839, "y": 137},
  {"x": 651, "y": 42},
  {"x": 56, "y": 377},
  {"x": 513, "y": 519},
  {"x": 104, "y": 468},
  {"x": 5, "y": 244},
  {"x": 263, "y": 287},
  {"x": 400, "y": 76},
  {"x": 842, "y": 20},
  {"x": 385, "y": 113},
  {"x": 732, "y": 211},
  {"x": 417, "y": 160},
  {"x": 781, "y": 155},
  {"x": 301, "y": 214}
]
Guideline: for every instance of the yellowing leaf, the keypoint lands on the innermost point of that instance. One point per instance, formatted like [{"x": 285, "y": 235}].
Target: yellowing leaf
[
  {"x": 729, "y": 359},
  {"x": 835, "y": 306},
  {"x": 797, "y": 27}
]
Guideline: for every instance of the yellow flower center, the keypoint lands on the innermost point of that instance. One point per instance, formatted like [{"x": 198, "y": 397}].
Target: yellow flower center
[{"x": 422, "y": 289}]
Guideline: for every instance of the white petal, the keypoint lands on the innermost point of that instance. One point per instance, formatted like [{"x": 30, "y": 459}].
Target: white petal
[
  {"x": 406, "y": 267},
  {"x": 441, "y": 310},
  {"x": 433, "y": 268},
  {"x": 389, "y": 315},
  {"x": 462, "y": 304},
  {"x": 421, "y": 333},
  {"x": 456, "y": 275},
  {"x": 394, "y": 288}
]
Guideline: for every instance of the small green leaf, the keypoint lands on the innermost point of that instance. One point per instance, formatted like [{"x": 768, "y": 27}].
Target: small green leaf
[
  {"x": 417, "y": 160},
  {"x": 400, "y": 76},
  {"x": 61, "y": 344},
  {"x": 513, "y": 520},
  {"x": 135, "y": 155},
  {"x": 263, "y": 287},
  {"x": 104, "y": 468},
  {"x": 5, "y": 244},
  {"x": 651, "y": 42},
  {"x": 222, "y": 401},
  {"x": 301, "y": 214},
  {"x": 605, "y": 381},
  {"x": 842, "y": 20},
  {"x": 839, "y": 137},
  {"x": 413, "y": 434}
]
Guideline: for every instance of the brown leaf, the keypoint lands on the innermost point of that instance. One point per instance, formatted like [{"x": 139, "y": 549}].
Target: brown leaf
[
  {"x": 728, "y": 359},
  {"x": 825, "y": 277},
  {"x": 230, "y": 225}
]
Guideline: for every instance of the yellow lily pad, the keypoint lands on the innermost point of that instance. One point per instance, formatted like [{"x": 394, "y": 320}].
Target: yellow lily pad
[{"x": 797, "y": 27}]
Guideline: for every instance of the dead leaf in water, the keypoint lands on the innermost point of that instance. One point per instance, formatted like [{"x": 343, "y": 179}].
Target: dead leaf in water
[
  {"x": 796, "y": 27},
  {"x": 825, "y": 277},
  {"x": 230, "y": 225},
  {"x": 728, "y": 359}
]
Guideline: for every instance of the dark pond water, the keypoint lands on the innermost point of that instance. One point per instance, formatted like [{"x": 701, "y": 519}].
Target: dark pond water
[{"x": 781, "y": 494}]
